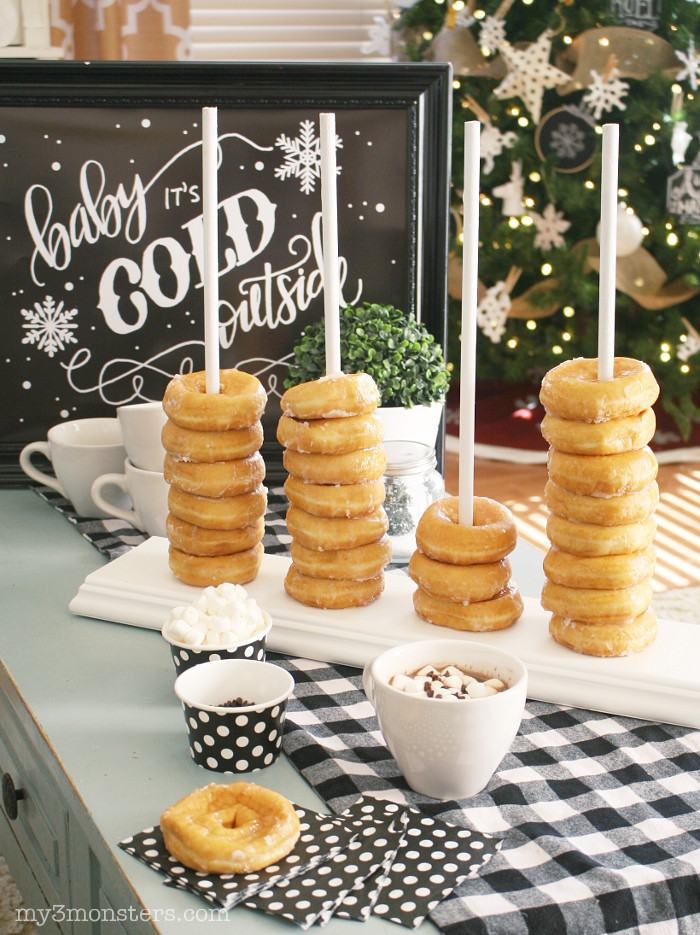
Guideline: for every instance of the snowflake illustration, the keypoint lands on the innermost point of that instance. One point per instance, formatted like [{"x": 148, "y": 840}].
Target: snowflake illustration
[
  {"x": 550, "y": 226},
  {"x": 605, "y": 93},
  {"x": 493, "y": 33},
  {"x": 567, "y": 141},
  {"x": 49, "y": 326},
  {"x": 302, "y": 159},
  {"x": 492, "y": 312}
]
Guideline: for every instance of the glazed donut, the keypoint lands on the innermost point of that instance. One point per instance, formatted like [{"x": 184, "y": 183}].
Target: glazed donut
[
  {"x": 332, "y": 593},
  {"x": 497, "y": 613},
  {"x": 331, "y": 397},
  {"x": 196, "y": 540},
  {"x": 322, "y": 533},
  {"x": 464, "y": 583},
  {"x": 603, "y": 475},
  {"x": 215, "y": 478},
  {"x": 218, "y": 513},
  {"x": 608, "y": 639},
  {"x": 571, "y": 390},
  {"x": 354, "y": 467},
  {"x": 597, "y": 605},
  {"x": 599, "y": 571},
  {"x": 599, "y": 438},
  {"x": 358, "y": 564},
  {"x": 239, "y": 403},
  {"x": 335, "y": 500},
  {"x": 441, "y": 537},
  {"x": 330, "y": 436},
  {"x": 592, "y": 539},
  {"x": 204, "y": 570},
  {"x": 237, "y": 827},
  {"x": 605, "y": 511},
  {"x": 230, "y": 445}
]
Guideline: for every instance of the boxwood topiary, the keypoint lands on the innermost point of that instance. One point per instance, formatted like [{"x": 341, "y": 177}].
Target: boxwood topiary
[{"x": 399, "y": 352}]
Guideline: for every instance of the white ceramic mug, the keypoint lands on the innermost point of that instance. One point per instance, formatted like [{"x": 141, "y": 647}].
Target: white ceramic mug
[
  {"x": 447, "y": 750},
  {"x": 79, "y": 451},
  {"x": 148, "y": 491},
  {"x": 142, "y": 424}
]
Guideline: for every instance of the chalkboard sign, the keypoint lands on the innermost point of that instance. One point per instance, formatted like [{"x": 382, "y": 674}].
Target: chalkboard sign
[{"x": 101, "y": 223}]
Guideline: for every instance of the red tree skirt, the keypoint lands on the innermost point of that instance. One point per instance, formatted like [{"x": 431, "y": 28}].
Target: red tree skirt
[{"x": 508, "y": 421}]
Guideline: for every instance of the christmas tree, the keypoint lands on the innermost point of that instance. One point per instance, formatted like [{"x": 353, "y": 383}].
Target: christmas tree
[{"x": 543, "y": 79}]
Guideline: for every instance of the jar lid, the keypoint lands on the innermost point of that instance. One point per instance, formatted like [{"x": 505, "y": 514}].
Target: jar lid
[{"x": 405, "y": 457}]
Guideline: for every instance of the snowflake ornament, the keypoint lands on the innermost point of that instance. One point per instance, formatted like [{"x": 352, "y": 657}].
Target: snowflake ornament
[
  {"x": 687, "y": 348},
  {"x": 550, "y": 225},
  {"x": 49, "y": 326},
  {"x": 302, "y": 159},
  {"x": 379, "y": 38},
  {"x": 492, "y": 312},
  {"x": 492, "y": 143},
  {"x": 691, "y": 65},
  {"x": 492, "y": 34},
  {"x": 567, "y": 141},
  {"x": 530, "y": 73},
  {"x": 605, "y": 93}
]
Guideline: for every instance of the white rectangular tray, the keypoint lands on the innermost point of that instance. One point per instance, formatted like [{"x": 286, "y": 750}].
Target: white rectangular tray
[{"x": 662, "y": 683}]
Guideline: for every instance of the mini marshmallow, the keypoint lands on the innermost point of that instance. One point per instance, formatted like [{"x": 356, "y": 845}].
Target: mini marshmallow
[{"x": 220, "y": 616}]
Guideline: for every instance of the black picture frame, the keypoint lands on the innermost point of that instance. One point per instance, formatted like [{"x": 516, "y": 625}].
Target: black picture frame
[{"x": 412, "y": 102}]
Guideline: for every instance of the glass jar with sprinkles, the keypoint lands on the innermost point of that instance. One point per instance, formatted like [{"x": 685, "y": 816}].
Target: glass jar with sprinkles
[{"x": 412, "y": 482}]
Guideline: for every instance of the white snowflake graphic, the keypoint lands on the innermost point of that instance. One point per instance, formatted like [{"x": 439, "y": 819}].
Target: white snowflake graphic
[
  {"x": 691, "y": 65},
  {"x": 567, "y": 141},
  {"x": 492, "y": 312},
  {"x": 49, "y": 326},
  {"x": 550, "y": 225},
  {"x": 493, "y": 33},
  {"x": 302, "y": 159},
  {"x": 605, "y": 93}
]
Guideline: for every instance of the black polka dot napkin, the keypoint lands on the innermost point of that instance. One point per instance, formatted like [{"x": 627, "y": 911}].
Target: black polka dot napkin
[{"x": 321, "y": 837}]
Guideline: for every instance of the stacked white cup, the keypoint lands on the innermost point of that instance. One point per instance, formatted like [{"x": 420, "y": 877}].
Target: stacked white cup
[{"x": 142, "y": 480}]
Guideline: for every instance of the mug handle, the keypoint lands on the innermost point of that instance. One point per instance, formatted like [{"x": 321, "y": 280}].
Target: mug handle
[
  {"x": 368, "y": 683},
  {"x": 25, "y": 462},
  {"x": 118, "y": 480}
]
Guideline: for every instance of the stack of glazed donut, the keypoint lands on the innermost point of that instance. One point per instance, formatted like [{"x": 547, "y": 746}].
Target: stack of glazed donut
[
  {"x": 462, "y": 573},
  {"x": 333, "y": 452},
  {"x": 601, "y": 494},
  {"x": 213, "y": 464}
]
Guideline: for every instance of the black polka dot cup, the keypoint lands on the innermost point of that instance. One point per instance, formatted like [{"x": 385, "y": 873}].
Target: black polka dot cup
[
  {"x": 447, "y": 749},
  {"x": 185, "y": 656},
  {"x": 234, "y": 712}
]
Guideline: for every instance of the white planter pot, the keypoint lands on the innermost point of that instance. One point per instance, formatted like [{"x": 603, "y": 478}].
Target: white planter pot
[{"x": 414, "y": 424}]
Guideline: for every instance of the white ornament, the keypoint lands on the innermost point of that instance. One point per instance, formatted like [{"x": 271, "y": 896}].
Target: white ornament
[
  {"x": 49, "y": 326},
  {"x": 492, "y": 34},
  {"x": 691, "y": 65},
  {"x": 492, "y": 143},
  {"x": 687, "y": 348},
  {"x": 605, "y": 93},
  {"x": 680, "y": 141},
  {"x": 512, "y": 192},
  {"x": 492, "y": 312},
  {"x": 550, "y": 225},
  {"x": 530, "y": 73},
  {"x": 379, "y": 38},
  {"x": 465, "y": 20},
  {"x": 630, "y": 232}
]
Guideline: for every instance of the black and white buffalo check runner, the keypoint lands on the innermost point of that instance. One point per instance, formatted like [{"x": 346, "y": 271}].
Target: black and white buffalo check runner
[{"x": 600, "y": 816}]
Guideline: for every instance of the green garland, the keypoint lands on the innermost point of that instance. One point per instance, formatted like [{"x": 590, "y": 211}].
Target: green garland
[{"x": 530, "y": 347}]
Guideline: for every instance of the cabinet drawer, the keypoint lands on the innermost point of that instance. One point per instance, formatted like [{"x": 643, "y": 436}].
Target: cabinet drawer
[{"x": 41, "y": 824}]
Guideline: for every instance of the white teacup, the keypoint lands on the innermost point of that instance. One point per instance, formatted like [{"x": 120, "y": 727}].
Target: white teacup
[
  {"x": 148, "y": 491},
  {"x": 142, "y": 424},
  {"x": 447, "y": 749},
  {"x": 79, "y": 451}
]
